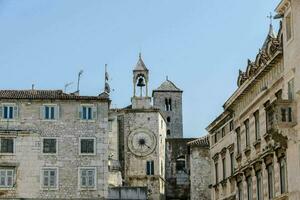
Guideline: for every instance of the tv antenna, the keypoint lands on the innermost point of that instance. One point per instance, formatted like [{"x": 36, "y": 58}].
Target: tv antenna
[
  {"x": 78, "y": 81},
  {"x": 67, "y": 85}
]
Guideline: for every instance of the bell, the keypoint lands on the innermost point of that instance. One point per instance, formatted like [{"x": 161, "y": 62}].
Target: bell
[{"x": 141, "y": 82}]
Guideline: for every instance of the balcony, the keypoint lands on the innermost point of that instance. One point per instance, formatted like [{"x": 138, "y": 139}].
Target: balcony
[{"x": 280, "y": 116}]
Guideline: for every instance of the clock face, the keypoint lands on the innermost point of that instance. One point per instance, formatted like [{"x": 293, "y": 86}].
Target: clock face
[{"x": 141, "y": 142}]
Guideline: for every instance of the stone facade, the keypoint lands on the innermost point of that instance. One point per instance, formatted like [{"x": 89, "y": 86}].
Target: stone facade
[
  {"x": 168, "y": 98},
  {"x": 178, "y": 168},
  {"x": 28, "y": 160},
  {"x": 200, "y": 170},
  {"x": 255, "y": 141}
]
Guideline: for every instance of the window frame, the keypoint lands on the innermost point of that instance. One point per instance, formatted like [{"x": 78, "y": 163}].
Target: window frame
[
  {"x": 14, "y": 146},
  {"x": 95, "y": 178},
  {"x": 151, "y": 171},
  {"x": 259, "y": 185},
  {"x": 55, "y": 112},
  {"x": 94, "y": 146},
  {"x": 249, "y": 188},
  {"x": 247, "y": 132},
  {"x": 6, "y": 169},
  {"x": 270, "y": 176},
  {"x": 42, "y": 186},
  {"x": 15, "y": 111},
  {"x": 56, "y": 148},
  {"x": 283, "y": 183},
  {"x": 257, "y": 125},
  {"x": 94, "y": 110}
]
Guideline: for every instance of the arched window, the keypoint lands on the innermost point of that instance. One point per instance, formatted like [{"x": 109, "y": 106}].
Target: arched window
[
  {"x": 170, "y": 104},
  {"x": 168, "y": 119},
  {"x": 168, "y": 132},
  {"x": 180, "y": 163}
]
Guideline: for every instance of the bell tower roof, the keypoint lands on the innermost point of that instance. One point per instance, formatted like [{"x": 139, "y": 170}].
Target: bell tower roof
[
  {"x": 140, "y": 65},
  {"x": 167, "y": 86}
]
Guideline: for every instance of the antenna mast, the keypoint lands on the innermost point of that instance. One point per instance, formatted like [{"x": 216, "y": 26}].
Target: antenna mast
[{"x": 78, "y": 82}]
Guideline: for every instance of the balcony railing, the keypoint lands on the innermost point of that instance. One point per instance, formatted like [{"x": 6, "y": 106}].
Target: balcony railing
[{"x": 281, "y": 114}]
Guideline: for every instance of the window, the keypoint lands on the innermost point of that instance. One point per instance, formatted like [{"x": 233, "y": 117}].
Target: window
[
  {"x": 286, "y": 114},
  {"x": 49, "y": 145},
  {"x": 240, "y": 190},
  {"x": 6, "y": 178},
  {"x": 87, "y": 145},
  {"x": 168, "y": 104},
  {"x": 249, "y": 187},
  {"x": 288, "y": 26},
  {"x": 270, "y": 181},
  {"x": 256, "y": 123},
  {"x": 246, "y": 123},
  {"x": 49, "y": 178},
  {"x": 238, "y": 140},
  {"x": 291, "y": 90},
  {"x": 88, "y": 112},
  {"x": 223, "y": 131},
  {"x": 283, "y": 188},
  {"x": 168, "y": 119},
  {"x": 259, "y": 185},
  {"x": 168, "y": 132},
  {"x": 224, "y": 167},
  {"x": 231, "y": 127},
  {"x": 270, "y": 119},
  {"x": 180, "y": 164},
  {"x": 87, "y": 177},
  {"x": 7, "y": 145},
  {"x": 150, "y": 168},
  {"x": 215, "y": 138},
  {"x": 232, "y": 163},
  {"x": 110, "y": 125},
  {"x": 9, "y": 111},
  {"x": 216, "y": 172},
  {"x": 49, "y": 112}
]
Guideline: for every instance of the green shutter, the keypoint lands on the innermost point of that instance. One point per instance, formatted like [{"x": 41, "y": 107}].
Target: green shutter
[
  {"x": 95, "y": 112},
  {"x": 16, "y": 112},
  {"x": 57, "y": 112}
]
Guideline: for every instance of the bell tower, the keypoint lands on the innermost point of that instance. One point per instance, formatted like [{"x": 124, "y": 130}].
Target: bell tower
[{"x": 140, "y": 99}]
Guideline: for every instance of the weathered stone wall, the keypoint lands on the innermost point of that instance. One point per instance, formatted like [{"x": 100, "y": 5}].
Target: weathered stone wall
[
  {"x": 200, "y": 173},
  {"x": 135, "y": 166},
  {"x": 175, "y": 125},
  {"x": 177, "y": 181},
  {"x": 29, "y": 159}
]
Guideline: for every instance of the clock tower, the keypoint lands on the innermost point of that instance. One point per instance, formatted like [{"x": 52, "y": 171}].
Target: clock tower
[{"x": 144, "y": 131}]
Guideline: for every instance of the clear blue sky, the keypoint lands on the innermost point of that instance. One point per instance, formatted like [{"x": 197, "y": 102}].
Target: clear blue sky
[{"x": 199, "y": 44}]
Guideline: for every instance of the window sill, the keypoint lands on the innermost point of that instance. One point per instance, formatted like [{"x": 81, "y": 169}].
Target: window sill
[
  {"x": 87, "y": 154},
  {"x": 88, "y": 189},
  {"x": 8, "y": 120},
  {"x": 247, "y": 151},
  {"x": 284, "y": 196},
  {"x": 49, "y": 154},
  {"x": 87, "y": 120},
  {"x": 49, "y": 120},
  {"x": 7, "y": 188},
  {"x": 49, "y": 189},
  {"x": 257, "y": 143},
  {"x": 7, "y": 154}
]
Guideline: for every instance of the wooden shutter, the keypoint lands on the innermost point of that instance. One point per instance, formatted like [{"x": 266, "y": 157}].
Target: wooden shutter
[
  {"x": 1, "y": 111},
  {"x": 94, "y": 112},
  {"x": 80, "y": 113},
  {"x": 42, "y": 112},
  {"x": 16, "y": 112},
  {"x": 57, "y": 112}
]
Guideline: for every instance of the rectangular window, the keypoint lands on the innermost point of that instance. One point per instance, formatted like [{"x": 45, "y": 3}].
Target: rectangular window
[
  {"x": 224, "y": 167},
  {"x": 283, "y": 187},
  {"x": 150, "y": 168},
  {"x": 88, "y": 112},
  {"x": 223, "y": 132},
  {"x": 249, "y": 187},
  {"x": 270, "y": 119},
  {"x": 49, "y": 178},
  {"x": 256, "y": 122},
  {"x": 49, "y": 145},
  {"x": 9, "y": 112},
  {"x": 88, "y": 178},
  {"x": 216, "y": 137},
  {"x": 238, "y": 140},
  {"x": 240, "y": 190},
  {"x": 288, "y": 26},
  {"x": 270, "y": 181},
  {"x": 216, "y": 172},
  {"x": 6, "y": 178},
  {"x": 259, "y": 185},
  {"x": 7, "y": 145},
  {"x": 232, "y": 163},
  {"x": 49, "y": 112},
  {"x": 87, "y": 145},
  {"x": 246, "y": 123},
  {"x": 231, "y": 127},
  {"x": 291, "y": 94}
]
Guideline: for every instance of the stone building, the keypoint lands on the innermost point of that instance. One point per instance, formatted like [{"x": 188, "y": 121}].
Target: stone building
[
  {"x": 200, "y": 170},
  {"x": 53, "y": 145},
  {"x": 255, "y": 141},
  {"x": 140, "y": 132},
  {"x": 178, "y": 168}
]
